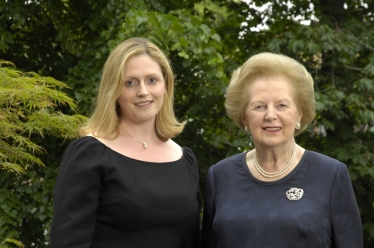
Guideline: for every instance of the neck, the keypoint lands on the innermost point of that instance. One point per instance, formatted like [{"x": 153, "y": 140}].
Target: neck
[
  {"x": 142, "y": 132},
  {"x": 274, "y": 155},
  {"x": 144, "y": 143}
]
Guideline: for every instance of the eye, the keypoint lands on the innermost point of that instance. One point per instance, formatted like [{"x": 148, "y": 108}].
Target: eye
[
  {"x": 130, "y": 83},
  {"x": 282, "y": 106},
  {"x": 260, "y": 107},
  {"x": 153, "y": 80}
]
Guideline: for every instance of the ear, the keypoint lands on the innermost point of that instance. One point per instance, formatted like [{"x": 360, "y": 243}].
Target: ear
[
  {"x": 300, "y": 115},
  {"x": 244, "y": 121}
]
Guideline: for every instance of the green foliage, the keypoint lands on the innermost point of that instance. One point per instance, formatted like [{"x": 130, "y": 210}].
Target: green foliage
[
  {"x": 28, "y": 105},
  {"x": 5, "y": 243},
  {"x": 205, "y": 40}
]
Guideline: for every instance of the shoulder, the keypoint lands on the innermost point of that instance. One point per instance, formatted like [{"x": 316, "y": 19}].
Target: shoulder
[
  {"x": 85, "y": 142},
  {"x": 189, "y": 155},
  {"x": 237, "y": 158},
  {"x": 173, "y": 147},
  {"x": 324, "y": 162},
  {"x": 321, "y": 159},
  {"x": 181, "y": 151},
  {"x": 191, "y": 161},
  {"x": 228, "y": 163},
  {"x": 84, "y": 157},
  {"x": 225, "y": 169},
  {"x": 187, "y": 151},
  {"x": 85, "y": 148}
]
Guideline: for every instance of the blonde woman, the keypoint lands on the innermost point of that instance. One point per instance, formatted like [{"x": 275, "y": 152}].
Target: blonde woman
[
  {"x": 125, "y": 182},
  {"x": 279, "y": 194}
]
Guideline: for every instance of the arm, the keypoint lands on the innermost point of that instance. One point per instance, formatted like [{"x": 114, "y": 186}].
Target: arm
[
  {"x": 194, "y": 168},
  {"x": 345, "y": 216},
  {"x": 209, "y": 210},
  {"x": 76, "y": 195},
  {"x": 192, "y": 237}
]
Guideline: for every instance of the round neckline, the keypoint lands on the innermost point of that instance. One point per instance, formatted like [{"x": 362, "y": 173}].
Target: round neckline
[
  {"x": 138, "y": 160},
  {"x": 279, "y": 181}
]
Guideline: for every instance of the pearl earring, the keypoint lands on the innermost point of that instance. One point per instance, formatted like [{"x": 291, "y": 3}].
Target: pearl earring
[{"x": 298, "y": 125}]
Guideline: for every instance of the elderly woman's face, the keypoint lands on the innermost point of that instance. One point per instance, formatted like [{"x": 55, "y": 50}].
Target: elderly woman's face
[{"x": 271, "y": 114}]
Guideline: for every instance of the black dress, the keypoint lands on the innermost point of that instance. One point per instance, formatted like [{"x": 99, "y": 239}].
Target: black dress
[
  {"x": 241, "y": 211},
  {"x": 103, "y": 199}
]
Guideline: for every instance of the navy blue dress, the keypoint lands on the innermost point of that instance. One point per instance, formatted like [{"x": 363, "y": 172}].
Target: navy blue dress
[
  {"x": 104, "y": 199},
  {"x": 241, "y": 211}
]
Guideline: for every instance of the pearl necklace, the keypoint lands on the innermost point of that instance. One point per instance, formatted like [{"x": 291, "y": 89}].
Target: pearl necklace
[
  {"x": 145, "y": 144},
  {"x": 277, "y": 173}
]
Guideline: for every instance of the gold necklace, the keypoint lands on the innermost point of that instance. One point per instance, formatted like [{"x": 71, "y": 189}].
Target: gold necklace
[
  {"x": 145, "y": 144},
  {"x": 277, "y": 173}
]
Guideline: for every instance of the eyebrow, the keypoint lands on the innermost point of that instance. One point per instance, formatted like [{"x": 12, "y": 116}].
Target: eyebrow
[
  {"x": 280, "y": 100},
  {"x": 148, "y": 75}
]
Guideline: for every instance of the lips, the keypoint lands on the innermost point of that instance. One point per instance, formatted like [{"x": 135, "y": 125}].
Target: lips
[
  {"x": 142, "y": 104},
  {"x": 272, "y": 128}
]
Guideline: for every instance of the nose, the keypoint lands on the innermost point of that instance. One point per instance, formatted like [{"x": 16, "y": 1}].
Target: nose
[
  {"x": 142, "y": 90},
  {"x": 270, "y": 113}
]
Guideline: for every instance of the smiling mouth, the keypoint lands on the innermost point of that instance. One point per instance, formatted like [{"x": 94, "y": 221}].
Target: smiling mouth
[
  {"x": 272, "y": 128},
  {"x": 143, "y": 103}
]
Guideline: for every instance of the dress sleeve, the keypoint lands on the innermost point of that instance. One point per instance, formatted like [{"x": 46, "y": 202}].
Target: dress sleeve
[
  {"x": 209, "y": 210},
  {"x": 192, "y": 164},
  {"x": 76, "y": 194},
  {"x": 194, "y": 169},
  {"x": 345, "y": 216}
]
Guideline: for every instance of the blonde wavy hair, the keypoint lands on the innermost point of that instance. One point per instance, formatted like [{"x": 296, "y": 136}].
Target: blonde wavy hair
[
  {"x": 105, "y": 119},
  {"x": 268, "y": 65}
]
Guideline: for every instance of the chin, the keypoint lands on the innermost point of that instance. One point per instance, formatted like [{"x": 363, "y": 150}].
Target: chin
[{"x": 273, "y": 144}]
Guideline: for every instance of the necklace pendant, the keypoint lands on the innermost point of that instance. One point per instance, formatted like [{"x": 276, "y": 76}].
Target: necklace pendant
[{"x": 145, "y": 145}]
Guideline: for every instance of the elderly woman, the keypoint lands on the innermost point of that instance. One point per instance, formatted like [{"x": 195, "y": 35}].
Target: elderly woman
[{"x": 278, "y": 194}]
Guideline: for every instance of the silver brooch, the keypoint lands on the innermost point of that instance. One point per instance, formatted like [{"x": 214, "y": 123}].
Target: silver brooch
[{"x": 294, "y": 194}]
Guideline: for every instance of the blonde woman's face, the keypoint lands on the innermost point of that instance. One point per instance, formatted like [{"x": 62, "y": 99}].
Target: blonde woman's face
[
  {"x": 271, "y": 114},
  {"x": 143, "y": 90}
]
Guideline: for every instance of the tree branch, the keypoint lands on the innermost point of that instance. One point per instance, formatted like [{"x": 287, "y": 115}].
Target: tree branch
[
  {"x": 354, "y": 68},
  {"x": 359, "y": 41}
]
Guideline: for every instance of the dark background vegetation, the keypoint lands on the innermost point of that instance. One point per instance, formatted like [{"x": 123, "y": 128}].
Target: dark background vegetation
[{"x": 69, "y": 40}]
